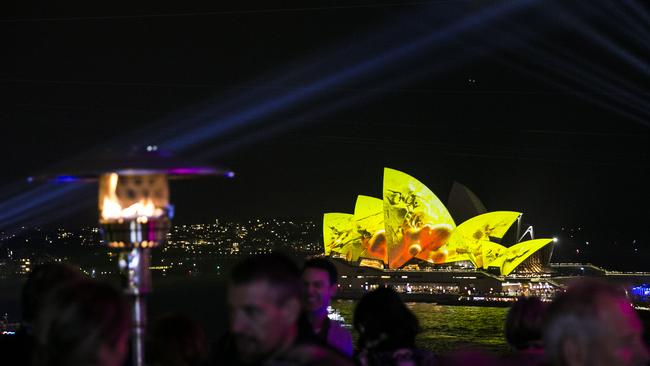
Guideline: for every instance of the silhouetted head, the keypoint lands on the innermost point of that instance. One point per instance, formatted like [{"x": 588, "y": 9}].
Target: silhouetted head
[
  {"x": 176, "y": 340},
  {"x": 593, "y": 323},
  {"x": 41, "y": 281},
  {"x": 323, "y": 264},
  {"x": 319, "y": 277},
  {"x": 524, "y": 323},
  {"x": 83, "y": 323},
  {"x": 264, "y": 300},
  {"x": 384, "y": 322}
]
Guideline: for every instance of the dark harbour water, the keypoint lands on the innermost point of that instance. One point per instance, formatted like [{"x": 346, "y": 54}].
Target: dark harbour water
[{"x": 443, "y": 327}]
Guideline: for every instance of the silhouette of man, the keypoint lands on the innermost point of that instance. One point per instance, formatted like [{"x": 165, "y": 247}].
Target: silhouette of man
[
  {"x": 81, "y": 324},
  {"x": 523, "y": 330},
  {"x": 43, "y": 280},
  {"x": 593, "y": 323},
  {"x": 264, "y": 297},
  {"x": 320, "y": 280}
]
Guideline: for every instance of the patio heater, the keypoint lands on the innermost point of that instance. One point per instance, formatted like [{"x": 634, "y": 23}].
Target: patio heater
[{"x": 135, "y": 216}]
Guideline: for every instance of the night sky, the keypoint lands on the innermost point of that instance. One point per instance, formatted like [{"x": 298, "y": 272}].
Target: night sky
[{"x": 537, "y": 106}]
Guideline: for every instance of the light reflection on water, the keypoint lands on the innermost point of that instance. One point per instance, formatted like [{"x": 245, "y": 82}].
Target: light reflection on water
[{"x": 445, "y": 328}]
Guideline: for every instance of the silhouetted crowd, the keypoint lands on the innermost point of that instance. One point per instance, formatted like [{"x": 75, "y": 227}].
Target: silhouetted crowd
[{"x": 278, "y": 317}]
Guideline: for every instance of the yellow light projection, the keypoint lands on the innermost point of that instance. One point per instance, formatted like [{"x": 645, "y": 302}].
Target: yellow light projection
[
  {"x": 337, "y": 233},
  {"x": 358, "y": 235},
  {"x": 489, "y": 253},
  {"x": 512, "y": 256},
  {"x": 466, "y": 241},
  {"x": 411, "y": 221},
  {"x": 416, "y": 222},
  {"x": 369, "y": 224}
]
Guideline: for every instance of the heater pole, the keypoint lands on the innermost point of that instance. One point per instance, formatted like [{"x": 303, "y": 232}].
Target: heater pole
[
  {"x": 138, "y": 332},
  {"x": 135, "y": 268}
]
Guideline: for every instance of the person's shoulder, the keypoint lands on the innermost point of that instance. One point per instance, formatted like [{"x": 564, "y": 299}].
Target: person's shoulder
[
  {"x": 405, "y": 356},
  {"x": 16, "y": 349},
  {"x": 340, "y": 338},
  {"x": 418, "y": 355},
  {"x": 527, "y": 358},
  {"x": 223, "y": 352},
  {"x": 338, "y": 334},
  {"x": 425, "y": 357},
  {"x": 312, "y": 354},
  {"x": 336, "y": 326}
]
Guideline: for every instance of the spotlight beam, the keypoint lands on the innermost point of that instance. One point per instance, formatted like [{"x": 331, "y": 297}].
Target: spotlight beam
[
  {"x": 627, "y": 24},
  {"x": 218, "y": 125},
  {"x": 375, "y": 64},
  {"x": 325, "y": 108},
  {"x": 229, "y": 117},
  {"x": 588, "y": 31},
  {"x": 53, "y": 201},
  {"x": 639, "y": 11},
  {"x": 581, "y": 76}
]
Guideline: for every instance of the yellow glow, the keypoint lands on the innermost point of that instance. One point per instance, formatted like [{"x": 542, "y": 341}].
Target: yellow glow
[
  {"x": 514, "y": 255},
  {"x": 337, "y": 233},
  {"x": 464, "y": 243},
  {"x": 409, "y": 206},
  {"x": 116, "y": 244},
  {"x": 490, "y": 224},
  {"x": 110, "y": 207},
  {"x": 373, "y": 263},
  {"x": 369, "y": 225},
  {"x": 159, "y": 267},
  {"x": 369, "y": 209},
  {"x": 490, "y": 252}
]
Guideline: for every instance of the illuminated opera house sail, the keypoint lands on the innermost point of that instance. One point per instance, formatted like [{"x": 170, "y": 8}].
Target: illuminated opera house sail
[{"x": 411, "y": 222}]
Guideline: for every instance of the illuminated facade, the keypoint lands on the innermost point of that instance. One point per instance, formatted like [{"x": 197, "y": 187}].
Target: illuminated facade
[{"x": 411, "y": 222}]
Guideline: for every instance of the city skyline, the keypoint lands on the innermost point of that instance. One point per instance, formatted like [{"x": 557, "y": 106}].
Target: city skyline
[{"x": 298, "y": 235}]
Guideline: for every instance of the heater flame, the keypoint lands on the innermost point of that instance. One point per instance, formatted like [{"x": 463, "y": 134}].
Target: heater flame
[{"x": 111, "y": 208}]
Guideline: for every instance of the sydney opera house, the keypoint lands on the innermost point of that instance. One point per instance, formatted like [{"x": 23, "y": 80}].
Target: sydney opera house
[
  {"x": 409, "y": 240},
  {"x": 410, "y": 227}
]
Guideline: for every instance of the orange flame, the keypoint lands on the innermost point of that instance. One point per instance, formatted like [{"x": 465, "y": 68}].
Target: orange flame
[{"x": 111, "y": 208}]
